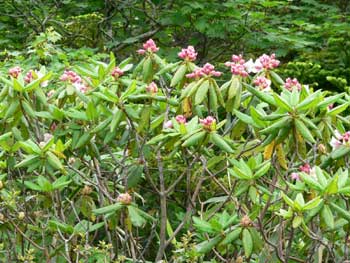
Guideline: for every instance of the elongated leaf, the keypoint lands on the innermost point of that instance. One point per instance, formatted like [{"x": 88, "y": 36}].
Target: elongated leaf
[
  {"x": 247, "y": 242},
  {"x": 202, "y": 92},
  {"x": 304, "y": 131},
  {"x": 220, "y": 142}
]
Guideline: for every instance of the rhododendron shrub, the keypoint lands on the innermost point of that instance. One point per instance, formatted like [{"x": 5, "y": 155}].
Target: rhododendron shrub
[{"x": 150, "y": 160}]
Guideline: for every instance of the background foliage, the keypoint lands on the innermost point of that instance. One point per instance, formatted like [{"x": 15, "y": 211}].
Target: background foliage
[
  {"x": 295, "y": 30},
  {"x": 113, "y": 155}
]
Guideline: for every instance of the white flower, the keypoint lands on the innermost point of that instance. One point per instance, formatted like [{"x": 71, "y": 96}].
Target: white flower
[{"x": 253, "y": 67}]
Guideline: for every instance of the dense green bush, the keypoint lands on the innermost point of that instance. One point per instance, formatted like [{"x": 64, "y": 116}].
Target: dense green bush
[
  {"x": 146, "y": 160},
  {"x": 315, "y": 31}
]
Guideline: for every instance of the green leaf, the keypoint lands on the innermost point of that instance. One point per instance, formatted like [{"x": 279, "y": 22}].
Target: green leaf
[
  {"x": 304, "y": 131},
  {"x": 230, "y": 237},
  {"x": 247, "y": 242},
  {"x": 340, "y": 152},
  {"x": 179, "y": 75},
  {"x": 312, "y": 203},
  {"x": 108, "y": 209},
  {"x": 282, "y": 103},
  {"x": 54, "y": 161},
  {"x": 202, "y": 92},
  {"x": 342, "y": 212},
  {"x": 335, "y": 111},
  {"x": 147, "y": 70},
  {"x": 297, "y": 221},
  {"x": 194, "y": 139},
  {"x": 203, "y": 226},
  {"x": 276, "y": 126},
  {"x": 220, "y": 142},
  {"x": 206, "y": 246},
  {"x": 135, "y": 217},
  {"x": 261, "y": 95},
  {"x": 327, "y": 216}
]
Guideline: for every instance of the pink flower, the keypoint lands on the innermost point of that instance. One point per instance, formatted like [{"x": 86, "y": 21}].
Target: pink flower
[
  {"x": 15, "y": 71},
  {"x": 263, "y": 83},
  {"x": 208, "y": 123},
  {"x": 29, "y": 77},
  {"x": 71, "y": 76},
  {"x": 330, "y": 106},
  {"x": 207, "y": 69},
  {"x": 117, "y": 72},
  {"x": 180, "y": 119},
  {"x": 305, "y": 168},
  {"x": 237, "y": 66},
  {"x": 340, "y": 139},
  {"x": 269, "y": 62},
  {"x": 295, "y": 176},
  {"x": 188, "y": 53},
  {"x": 152, "y": 88},
  {"x": 82, "y": 87},
  {"x": 291, "y": 83},
  {"x": 168, "y": 124},
  {"x": 149, "y": 46}
]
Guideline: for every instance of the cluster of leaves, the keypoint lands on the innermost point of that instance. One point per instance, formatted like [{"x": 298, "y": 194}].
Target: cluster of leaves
[{"x": 147, "y": 161}]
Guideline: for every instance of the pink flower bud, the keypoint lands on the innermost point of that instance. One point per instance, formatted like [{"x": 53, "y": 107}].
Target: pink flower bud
[
  {"x": 295, "y": 176},
  {"x": 168, "y": 124},
  {"x": 125, "y": 199},
  {"x": 291, "y": 83},
  {"x": 117, "y": 72},
  {"x": 188, "y": 54},
  {"x": 208, "y": 123},
  {"x": 29, "y": 77},
  {"x": 207, "y": 69},
  {"x": 305, "y": 168},
  {"x": 180, "y": 119},
  {"x": 152, "y": 88},
  {"x": 263, "y": 83},
  {"x": 269, "y": 62},
  {"x": 70, "y": 76},
  {"x": 149, "y": 46},
  {"x": 15, "y": 71}
]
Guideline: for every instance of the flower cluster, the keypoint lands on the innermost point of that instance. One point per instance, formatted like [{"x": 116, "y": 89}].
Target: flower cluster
[
  {"x": 305, "y": 168},
  {"x": 75, "y": 79},
  {"x": 149, "y": 46},
  {"x": 340, "y": 139},
  {"x": 237, "y": 66},
  {"x": 206, "y": 70},
  {"x": 208, "y": 123},
  {"x": 15, "y": 71},
  {"x": 291, "y": 83},
  {"x": 262, "y": 83},
  {"x": 71, "y": 76},
  {"x": 29, "y": 77},
  {"x": 269, "y": 62},
  {"x": 152, "y": 88},
  {"x": 117, "y": 72},
  {"x": 188, "y": 53}
]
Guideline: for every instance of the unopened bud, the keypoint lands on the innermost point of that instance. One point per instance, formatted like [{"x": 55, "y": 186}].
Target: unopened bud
[
  {"x": 21, "y": 215},
  {"x": 322, "y": 149},
  {"x": 125, "y": 199},
  {"x": 245, "y": 221},
  {"x": 86, "y": 190}
]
